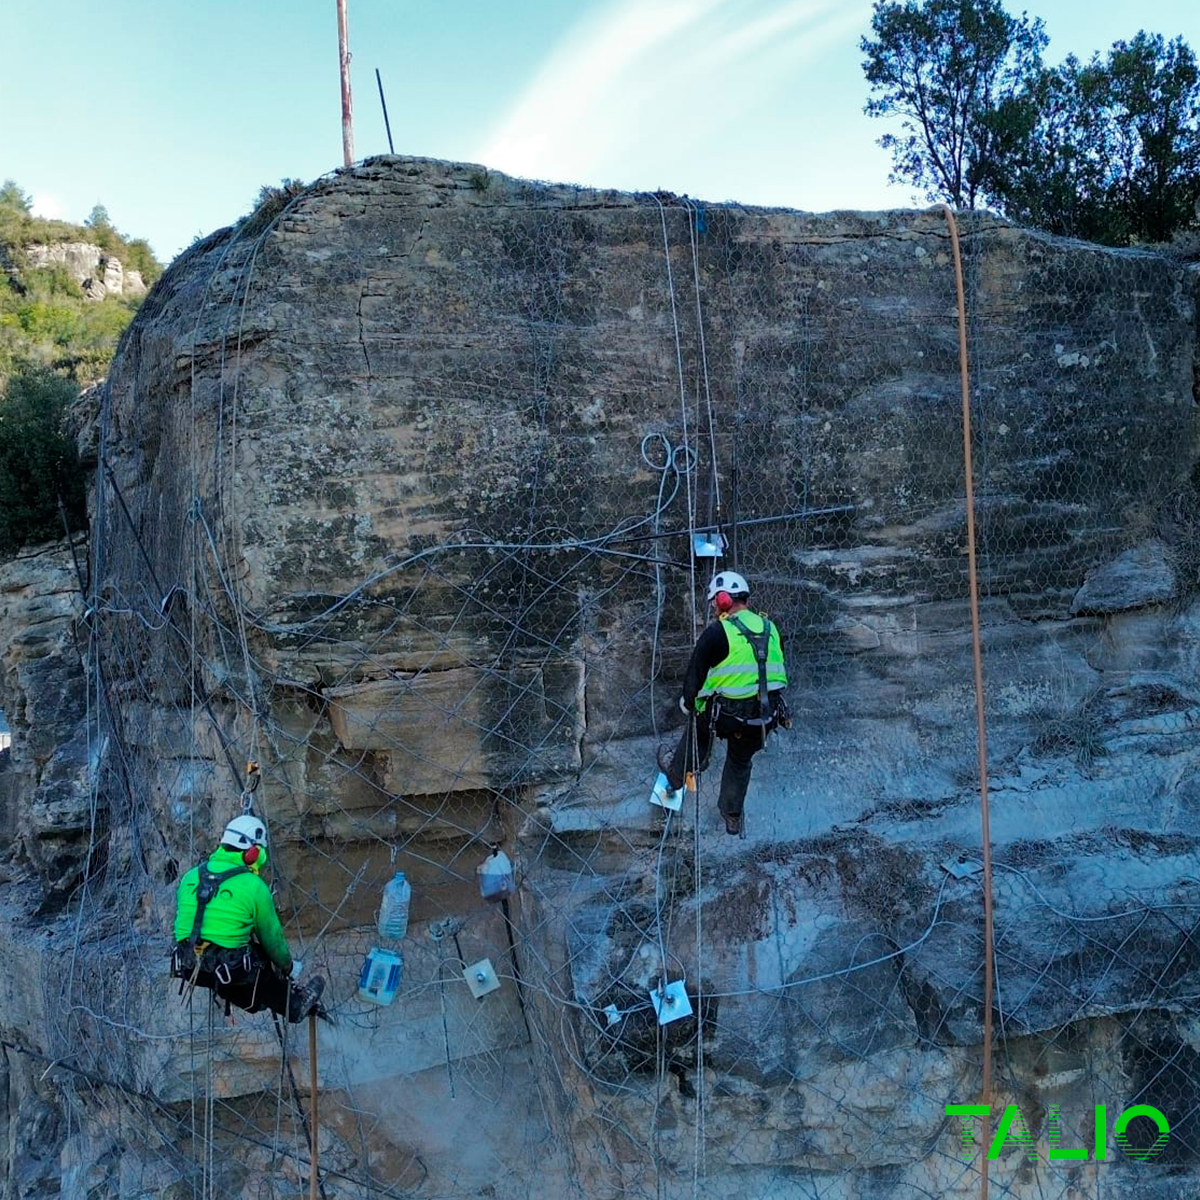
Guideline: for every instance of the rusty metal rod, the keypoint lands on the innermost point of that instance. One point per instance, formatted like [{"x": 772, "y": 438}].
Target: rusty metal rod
[
  {"x": 383, "y": 104},
  {"x": 980, "y": 718}
]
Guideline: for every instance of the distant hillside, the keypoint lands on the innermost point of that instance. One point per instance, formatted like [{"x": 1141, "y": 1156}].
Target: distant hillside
[{"x": 67, "y": 291}]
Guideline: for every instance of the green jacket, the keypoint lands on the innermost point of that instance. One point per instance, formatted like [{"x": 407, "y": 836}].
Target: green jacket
[{"x": 242, "y": 909}]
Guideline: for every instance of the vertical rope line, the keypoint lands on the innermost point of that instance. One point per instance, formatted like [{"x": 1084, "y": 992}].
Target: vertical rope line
[
  {"x": 314, "y": 1157},
  {"x": 209, "y": 1156},
  {"x": 712, "y": 432},
  {"x": 687, "y": 478},
  {"x": 977, "y": 662},
  {"x": 698, "y": 1149},
  {"x": 689, "y": 459}
]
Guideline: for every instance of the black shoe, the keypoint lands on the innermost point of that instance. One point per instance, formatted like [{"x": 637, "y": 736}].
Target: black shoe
[
  {"x": 733, "y": 825},
  {"x": 665, "y": 756},
  {"x": 663, "y": 759},
  {"x": 306, "y": 999}
]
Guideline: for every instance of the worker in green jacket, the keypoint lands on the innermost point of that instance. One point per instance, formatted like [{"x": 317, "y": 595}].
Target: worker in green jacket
[
  {"x": 227, "y": 932},
  {"x": 732, "y": 688}
]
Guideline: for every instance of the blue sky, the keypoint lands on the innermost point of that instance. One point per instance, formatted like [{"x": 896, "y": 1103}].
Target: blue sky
[{"x": 174, "y": 113}]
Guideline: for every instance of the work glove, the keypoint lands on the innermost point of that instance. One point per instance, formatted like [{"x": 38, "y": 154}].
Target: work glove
[
  {"x": 297, "y": 967},
  {"x": 685, "y": 707}
]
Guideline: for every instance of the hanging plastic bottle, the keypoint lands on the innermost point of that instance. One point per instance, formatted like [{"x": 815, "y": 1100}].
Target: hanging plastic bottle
[
  {"x": 379, "y": 981},
  {"x": 495, "y": 875},
  {"x": 393, "y": 908}
]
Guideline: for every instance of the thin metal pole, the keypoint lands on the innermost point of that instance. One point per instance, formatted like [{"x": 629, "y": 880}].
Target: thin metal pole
[
  {"x": 314, "y": 1113},
  {"x": 344, "y": 63},
  {"x": 980, "y": 719},
  {"x": 383, "y": 103}
]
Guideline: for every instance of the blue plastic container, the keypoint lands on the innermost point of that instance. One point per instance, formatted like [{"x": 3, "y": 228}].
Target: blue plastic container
[{"x": 382, "y": 972}]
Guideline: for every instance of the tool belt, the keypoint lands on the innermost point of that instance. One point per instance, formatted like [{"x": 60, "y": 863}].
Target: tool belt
[
  {"x": 749, "y": 713},
  {"x": 749, "y": 717},
  {"x": 206, "y": 965}
]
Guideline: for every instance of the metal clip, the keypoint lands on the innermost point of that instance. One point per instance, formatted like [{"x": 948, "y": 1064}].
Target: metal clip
[{"x": 253, "y": 778}]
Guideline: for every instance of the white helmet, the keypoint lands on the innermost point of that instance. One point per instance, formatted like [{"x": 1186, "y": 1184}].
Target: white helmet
[
  {"x": 243, "y": 832},
  {"x": 728, "y": 581}
]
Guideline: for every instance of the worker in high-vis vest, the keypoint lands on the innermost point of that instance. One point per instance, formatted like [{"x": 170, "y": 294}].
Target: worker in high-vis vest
[
  {"x": 227, "y": 932},
  {"x": 732, "y": 689}
]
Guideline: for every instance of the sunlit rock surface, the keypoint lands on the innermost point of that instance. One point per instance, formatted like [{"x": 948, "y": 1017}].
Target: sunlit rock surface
[{"x": 385, "y": 503}]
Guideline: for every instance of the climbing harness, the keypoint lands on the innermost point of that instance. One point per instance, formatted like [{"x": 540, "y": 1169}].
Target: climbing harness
[
  {"x": 188, "y": 958},
  {"x": 760, "y": 643}
]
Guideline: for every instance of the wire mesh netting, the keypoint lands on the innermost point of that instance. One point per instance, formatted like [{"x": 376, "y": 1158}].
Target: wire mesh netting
[{"x": 397, "y": 497}]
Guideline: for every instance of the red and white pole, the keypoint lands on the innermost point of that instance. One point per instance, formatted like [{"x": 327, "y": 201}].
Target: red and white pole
[{"x": 344, "y": 62}]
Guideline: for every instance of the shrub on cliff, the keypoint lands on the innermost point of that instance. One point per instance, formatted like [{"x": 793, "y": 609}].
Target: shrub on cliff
[{"x": 39, "y": 465}]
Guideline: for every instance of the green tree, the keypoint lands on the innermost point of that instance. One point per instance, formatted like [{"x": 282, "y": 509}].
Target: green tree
[
  {"x": 1051, "y": 169},
  {"x": 104, "y": 232},
  {"x": 1154, "y": 146},
  {"x": 38, "y": 461},
  {"x": 1108, "y": 150},
  {"x": 98, "y": 218},
  {"x": 955, "y": 74},
  {"x": 11, "y": 196}
]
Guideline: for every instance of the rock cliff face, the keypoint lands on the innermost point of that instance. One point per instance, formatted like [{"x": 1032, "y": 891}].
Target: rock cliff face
[
  {"x": 45, "y": 786},
  {"x": 394, "y": 497},
  {"x": 94, "y": 269}
]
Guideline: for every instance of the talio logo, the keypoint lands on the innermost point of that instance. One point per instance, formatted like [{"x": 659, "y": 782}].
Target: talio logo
[{"x": 1012, "y": 1129}]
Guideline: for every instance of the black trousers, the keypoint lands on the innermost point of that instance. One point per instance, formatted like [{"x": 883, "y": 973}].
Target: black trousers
[
  {"x": 742, "y": 743},
  {"x": 253, "y": 982}
]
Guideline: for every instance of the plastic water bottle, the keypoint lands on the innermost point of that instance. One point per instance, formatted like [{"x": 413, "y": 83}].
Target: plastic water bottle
[
  {"x": 495, "y": 875},
  {"x": 393, "y": 909},
  {"x": 379, "y": 981}
]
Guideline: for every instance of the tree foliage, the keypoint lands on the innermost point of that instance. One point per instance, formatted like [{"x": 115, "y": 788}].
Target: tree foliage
[
  {"x": 1107, "y": 149},
  {"x": 39, "y": 466},
  {"x": 946, "y": 68},
  {"x": 14, "y": 197},
  {"x": 1153, "y": 149},
  {"x": 1111, "y": 148}
]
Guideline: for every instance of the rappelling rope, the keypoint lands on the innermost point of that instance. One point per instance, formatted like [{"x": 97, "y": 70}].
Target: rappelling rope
[
  {"x": 698, "y": 1148},
  {"x": 210, "y": 1191},
  {"x": 670, "y": 466},
  {"x": 664, "y": 934},
  {"x": 698, "y": 1152},
  {"x": 662, "y": 213},
  {"x": 708, "y": 403}
]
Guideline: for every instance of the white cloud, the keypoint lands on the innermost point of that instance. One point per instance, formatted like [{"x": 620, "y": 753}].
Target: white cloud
[
  {"x": 566, "y": 113},
  {"x": 644, "y": 80},
  {"x": 48, "y": 205}
]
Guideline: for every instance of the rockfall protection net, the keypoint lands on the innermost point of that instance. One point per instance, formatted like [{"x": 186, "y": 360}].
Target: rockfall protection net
[{"x": 511, "y": 682}]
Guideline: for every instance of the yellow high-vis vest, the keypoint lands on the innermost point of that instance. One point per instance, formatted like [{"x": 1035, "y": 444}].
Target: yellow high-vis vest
[{"x": 736, "y": 676}]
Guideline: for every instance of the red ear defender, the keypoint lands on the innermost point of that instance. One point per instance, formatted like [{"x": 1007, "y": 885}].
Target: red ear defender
[
  {"x": 724, "y": 601},
  {"x": 251, "y": 856}
]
